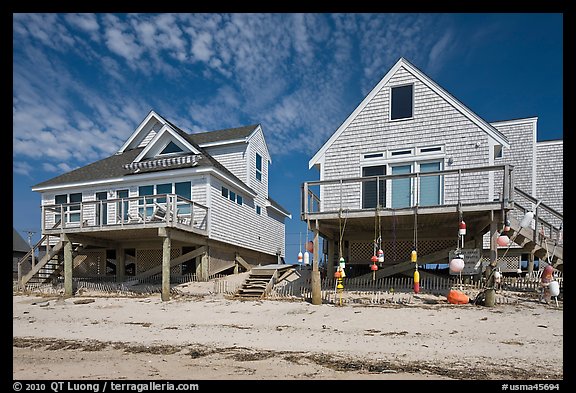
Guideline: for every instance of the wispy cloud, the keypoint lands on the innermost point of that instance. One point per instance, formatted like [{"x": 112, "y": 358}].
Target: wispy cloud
[{"x": 298, "y": 74}]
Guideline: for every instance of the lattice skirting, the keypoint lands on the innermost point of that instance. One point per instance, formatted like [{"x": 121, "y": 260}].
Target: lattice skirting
[
  {"x": 509, "y": 263},
  {"x": 90, "y": 264},
  {"x": 149, "y": 258},
  {"x": 395, "y": 252}
]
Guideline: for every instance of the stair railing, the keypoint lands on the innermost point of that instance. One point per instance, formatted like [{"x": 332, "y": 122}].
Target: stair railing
[{"x": 32, "y": 252}]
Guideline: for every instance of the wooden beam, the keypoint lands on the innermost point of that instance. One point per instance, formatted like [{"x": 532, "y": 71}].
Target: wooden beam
[
  {"x": 78, "y": 238},
  {"x": 242, "y": 262},
  {"x": 166, "y": 251},
  {"x": 174, "y": 262}
]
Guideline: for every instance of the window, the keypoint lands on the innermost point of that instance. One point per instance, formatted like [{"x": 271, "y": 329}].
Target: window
[
  {"x": 374, "y": 155},
  {"x": 258, "y": 210},
  {"x": 224, "y": 192},
  {"x": 171, "y": 148},
  {"x": 72, "y": 210},
  {"x": 372, "y": 190},
  {"x": 184, "y": 190},
  {"x": 163, "y": 189},
  {"x": 232, "y": 196},
  {"x": 401, "y": 153},
  {"x": 401, "y": 105},
  {"x": 498, "y": 151},
  {"x": 239, "y": 199},
  {"x": 258, "y": 167},
  {"x": 102, "y": 208}
]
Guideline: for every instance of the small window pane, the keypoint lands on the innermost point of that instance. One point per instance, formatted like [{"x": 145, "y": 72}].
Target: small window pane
[
  {"x": 73, "y": 199},
  {"x": 224, "y": 192},
  {"x": 184, "y": 189},
  {"x": 60, "y": 199},
  {"x": 232, "y": 196},
  {"x": 171, "y": 148},
  {"x": 239, "y": 199},
  {"x": 401, "y": 107},
  {"x": 258, "y": 210},
  {"x": 258, "y": 162}
]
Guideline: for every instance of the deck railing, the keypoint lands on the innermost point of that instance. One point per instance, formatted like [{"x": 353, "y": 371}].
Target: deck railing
[
  {"x": 164, "y": 209},
  {"x": 459, "y": 187}
]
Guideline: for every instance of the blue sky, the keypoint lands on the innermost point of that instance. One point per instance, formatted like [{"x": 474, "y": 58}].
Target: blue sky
[{"x": 83, "y": 82}]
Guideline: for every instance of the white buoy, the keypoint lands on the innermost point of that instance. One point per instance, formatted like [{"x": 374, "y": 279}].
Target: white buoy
[
  {"x": 300, "y": 257},
  {"x": 306, "y": 258},
  {"x": 527, "y": 220},
  {"x": 457, "y": 265},
  {"x": 554, "y": 288}
]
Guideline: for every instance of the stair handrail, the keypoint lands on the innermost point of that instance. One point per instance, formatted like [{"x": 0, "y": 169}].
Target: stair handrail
[
  {"x": 31, "y": 252},
  {"x": 537, "y": 219},
  {"x": 270, "y": 284}
]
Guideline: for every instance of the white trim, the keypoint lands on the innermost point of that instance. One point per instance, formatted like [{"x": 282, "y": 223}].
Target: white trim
[
  {"x": 221, "y": 143},
  {"x": 259, "y": 128},
  {"x": 551, "y": 142},
  {"x": 138, "y": 130},
  {"x": 534, "y": 155},
  {"x": 489, "y": 129},
  {"x": 208, "y": 191},
  {"x": 160, "y": 134},
  {"x": 136, "y": 179},
  {"x": 515, "y": 121},
  {"x": 271, "y": 206}
]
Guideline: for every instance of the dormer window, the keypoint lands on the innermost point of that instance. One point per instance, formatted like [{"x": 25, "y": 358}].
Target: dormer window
[
  {"x": 401, "y": 104},
  {"x": 171, "y": 148}
]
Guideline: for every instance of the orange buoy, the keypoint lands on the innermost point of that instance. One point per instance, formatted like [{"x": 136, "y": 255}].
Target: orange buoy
[{"x": 457, "y": 297}]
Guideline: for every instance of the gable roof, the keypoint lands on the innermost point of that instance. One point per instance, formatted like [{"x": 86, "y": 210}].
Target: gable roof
[
  {"x": 223, "y": 135},
  {"x": 18, "y": 243},
  {"x": 484, "y": 125},
  {"x": 114, "y": 167}
]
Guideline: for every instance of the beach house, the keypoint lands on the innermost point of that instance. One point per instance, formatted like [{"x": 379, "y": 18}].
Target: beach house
[
  {"x": 414, "y": 169},
  {"x": 167, "y": 203}
]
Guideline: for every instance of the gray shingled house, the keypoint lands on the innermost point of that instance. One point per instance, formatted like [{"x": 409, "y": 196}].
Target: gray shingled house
[
  {"x": 411, "y": 163},
  {"x": 167, "y": 203}
]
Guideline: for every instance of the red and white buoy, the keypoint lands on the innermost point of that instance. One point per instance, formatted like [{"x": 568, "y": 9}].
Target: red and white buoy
[
  {"x": 462, "y": 228},
  {"x": 300, "y": 257}
]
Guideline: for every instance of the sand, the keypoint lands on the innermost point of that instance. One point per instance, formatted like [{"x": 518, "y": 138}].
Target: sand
[{"x": 200, "y": 335}]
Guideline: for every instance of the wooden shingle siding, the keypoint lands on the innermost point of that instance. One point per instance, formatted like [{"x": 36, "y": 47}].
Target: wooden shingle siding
[
  {"x": 549, "y": 174},
  {"x": 434, "y": 122},
  {"x": 233, "y": 157},
  {"x": 258, "y": 145},
  {"x": 240, "y": 225}
]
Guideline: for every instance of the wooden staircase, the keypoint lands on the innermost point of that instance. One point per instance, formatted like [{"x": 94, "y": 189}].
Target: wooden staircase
[
  {"x": 262, "y": 279},
  {"x": 543, "y": 247}
]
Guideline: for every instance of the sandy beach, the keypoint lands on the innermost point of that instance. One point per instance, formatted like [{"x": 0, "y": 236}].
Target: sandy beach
[{"x": 199, "y": 335}]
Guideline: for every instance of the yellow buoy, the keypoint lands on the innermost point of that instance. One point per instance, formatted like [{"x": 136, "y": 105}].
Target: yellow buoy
[{"x": 413, "y": 256}]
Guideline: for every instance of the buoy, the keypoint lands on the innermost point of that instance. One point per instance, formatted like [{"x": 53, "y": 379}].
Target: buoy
[
  {"x": 497, "y": 276},
  {"x": 527, "y": 220},
  {"x": 503, "y": 240},
  {"x": 457, "y": 297},
  {"x": 342, "y": 263},
  {"x": 462, "y": 228},
  {"x": 306, "y": 258},
  {"x": 457, "y": 264},
  {"x": 373, "y": 267},
  {"x": 374, "y": 259},
  {"x": 416, "y": 281},
  {"x": 337, "y": 274},
  {"x": 554, "y": 288},
  {"x": 310, "y": 246},
  {"x": 380, "y": 256},
  {"x": 413, "y": 256},
  {"x": 300, "y": 257}
]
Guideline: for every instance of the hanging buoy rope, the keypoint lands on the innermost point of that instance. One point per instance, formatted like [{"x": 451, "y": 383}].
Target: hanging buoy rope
[{"x": 414, "y": 253}]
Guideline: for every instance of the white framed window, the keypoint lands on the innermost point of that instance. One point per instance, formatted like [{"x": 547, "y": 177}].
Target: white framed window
[
  {"x": 258, "y": 210},
  {"x": 258, "y": 167},
  {"x": 401, "y": 102}
]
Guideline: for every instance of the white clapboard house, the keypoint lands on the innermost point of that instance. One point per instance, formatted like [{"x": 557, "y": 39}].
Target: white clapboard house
[
  {"x": 411, "y": 162},
  {"x": 168, "y": 202}
]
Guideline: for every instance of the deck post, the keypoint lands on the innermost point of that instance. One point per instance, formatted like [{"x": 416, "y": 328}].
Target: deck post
[
  {"x": 166, "y": 251},
  {"x": 202, "y": 266},
  {"x": 531, "y": 262},
  {"x": 316, "y": 286},
  {"x": 330, "y": 261},
  {"x": 68, "y": 264},
  {"x": 120, "y": 264},
  {"x": 490, "y": 294}
]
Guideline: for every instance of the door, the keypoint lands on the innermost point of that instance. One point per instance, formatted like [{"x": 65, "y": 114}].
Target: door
[
  {"x": 122, "y": 207},
  {"x": 401, "y": 187},
  {"x": 430, "y": 186},
  {"x": 102, "y": 208}
]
